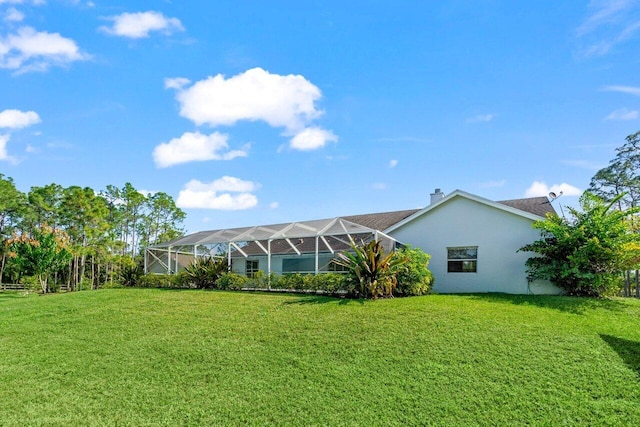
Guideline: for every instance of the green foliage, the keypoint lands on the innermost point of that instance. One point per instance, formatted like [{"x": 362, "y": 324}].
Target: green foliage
[
  {"x": 621, "y": 179},
  {"x": 130, "y": 273},
  {"x": 331, "y": 283},
  {"x": 12, "y": 203},
  {"x": 204, "y": 272},
  {"x": 101, "y": 228},
  {"x": 41, "y": 255},
  {"x": 31, "y": 283},
  {"x": 232, "y": 281},
  {"x": 371, "y": 272},
  {"x": 584, "y": 255},
  {"x": 414, "y": 278},
  {"x": 156, "y": 281}
]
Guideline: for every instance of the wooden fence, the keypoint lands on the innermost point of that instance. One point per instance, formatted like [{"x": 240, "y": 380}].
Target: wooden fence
[{"x": 12, "y": 287}]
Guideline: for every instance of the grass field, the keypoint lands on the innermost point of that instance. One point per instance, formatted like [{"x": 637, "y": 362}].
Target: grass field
[{"x": 160, "y": 357}]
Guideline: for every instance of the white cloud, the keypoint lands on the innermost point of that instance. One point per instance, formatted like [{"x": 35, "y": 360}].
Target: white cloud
[
  {"x": 31, "y": 149},
  {"x": 30, "y": 50},
  {"x": 281, "y": 101},
  {"x": 13, "y": 15},
  {"x": 176, "y": 83},
  {"x": 312, "y": 138},
  {"x": 4, "y": 155},
  {"x": 604, "y": 12},
  {"x": 480, "y": 118},
  {"x": 218, "y": 194},
  {"x": 140, "y": 24},
  {"x": 255, "y": 95},
  {"x": 622, "y": 114},
  {"x": 610, "y": 23},
  {"x": 274, "y": 205},
  {"x": 16, "y": 119},
  {"x": 538, "y": 189},
  {"x": 3, "y": 146},
  {"x": 631, "y": 90},
  {"x": 194, "y": 146},
  {"x": 393, "y": 163}
]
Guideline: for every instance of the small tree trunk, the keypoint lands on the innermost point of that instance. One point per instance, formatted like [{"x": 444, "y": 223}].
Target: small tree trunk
[
  {"x": 627, "y": 284},
  {"x": 42, "y": 278},
  {"x": 93, "y": 273},
  {"x": 4, "y": 257},
  {"x": 70, "y": 270}
]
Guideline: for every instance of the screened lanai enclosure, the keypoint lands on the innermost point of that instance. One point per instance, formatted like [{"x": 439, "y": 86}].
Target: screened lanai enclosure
[{"x": 298, "y": 247}]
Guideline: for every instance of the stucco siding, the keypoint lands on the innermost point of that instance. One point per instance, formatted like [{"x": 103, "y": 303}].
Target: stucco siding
[{"x": 497, "y": 234}]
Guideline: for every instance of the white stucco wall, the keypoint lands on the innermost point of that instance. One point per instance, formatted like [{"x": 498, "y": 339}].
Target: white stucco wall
[{"x": 460, "y": 221}]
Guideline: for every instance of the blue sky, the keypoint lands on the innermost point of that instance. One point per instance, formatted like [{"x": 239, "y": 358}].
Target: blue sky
[{"x": 252, "y": 112}]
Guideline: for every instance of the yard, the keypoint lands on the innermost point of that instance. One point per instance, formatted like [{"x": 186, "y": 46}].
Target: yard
[{"x": 166, "y": 357}]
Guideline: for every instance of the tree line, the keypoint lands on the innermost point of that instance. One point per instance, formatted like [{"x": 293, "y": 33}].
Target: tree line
[
  {"x": 77, "y": 237},
  {"x": 596, "y": 250}
]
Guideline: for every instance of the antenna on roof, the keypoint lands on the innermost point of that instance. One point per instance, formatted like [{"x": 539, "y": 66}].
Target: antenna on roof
[{"x": 553, "y": 196}]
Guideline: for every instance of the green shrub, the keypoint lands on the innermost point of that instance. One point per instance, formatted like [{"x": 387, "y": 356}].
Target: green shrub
[
  {"x": 328, "y": 282},
  {"x": 204, "y": 272},
  {"x": 155, "y": 281},
  {"x": 414, "y": 278},
  {"x": 130, "y": 274},
  {"x": 31, "y": 283},
  {"x": 288, "y": 281},
  {"x": 182, "y": 280},
  {"x": 371, "y": 272},
  {"x": 232, "y": 281}
]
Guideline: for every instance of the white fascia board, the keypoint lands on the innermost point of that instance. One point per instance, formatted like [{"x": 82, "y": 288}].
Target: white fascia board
[{"x": 464, "y": 194}]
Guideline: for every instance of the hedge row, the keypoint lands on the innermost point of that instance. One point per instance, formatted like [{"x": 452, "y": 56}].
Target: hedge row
[{"x": 331, "y": 283}]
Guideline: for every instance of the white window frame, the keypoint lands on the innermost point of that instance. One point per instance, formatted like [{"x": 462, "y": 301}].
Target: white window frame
[{"x": 251, "y": 271}]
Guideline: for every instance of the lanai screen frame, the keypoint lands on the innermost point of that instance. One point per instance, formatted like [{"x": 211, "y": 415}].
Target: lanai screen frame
[{"x": 231, "y": 238}]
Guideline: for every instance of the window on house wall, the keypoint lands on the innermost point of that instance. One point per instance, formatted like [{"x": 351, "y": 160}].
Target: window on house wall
[
  {"x": 463, "y": 259},
  {"x": 251, "y": 267},
  {"x": 299, "y": 265}
]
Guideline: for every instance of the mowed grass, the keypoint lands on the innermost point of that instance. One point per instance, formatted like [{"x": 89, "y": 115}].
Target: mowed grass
[{"x": 159, "y": 357}]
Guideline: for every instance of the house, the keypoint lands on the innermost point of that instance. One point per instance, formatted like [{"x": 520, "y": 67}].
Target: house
[{"x": 473, "y": 243}]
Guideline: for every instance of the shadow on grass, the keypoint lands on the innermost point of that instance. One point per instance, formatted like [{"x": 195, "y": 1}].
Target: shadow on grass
[
  {"x": 575, "y": 305},
  {"x": 11, "y": 295},
  {"x": 319, "y": 299},
  {"x": 629, "y": 351}
]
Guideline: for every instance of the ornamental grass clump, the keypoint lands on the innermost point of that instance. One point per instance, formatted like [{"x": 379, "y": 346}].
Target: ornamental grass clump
[
  {"x": 205, "y": 272},
  {"x": 371, "y": 272}
]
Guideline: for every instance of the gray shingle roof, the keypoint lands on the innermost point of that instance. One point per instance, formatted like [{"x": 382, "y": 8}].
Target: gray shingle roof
[
  {"x": 536, "y": 205},
  {"x": 381, "y": 221}
]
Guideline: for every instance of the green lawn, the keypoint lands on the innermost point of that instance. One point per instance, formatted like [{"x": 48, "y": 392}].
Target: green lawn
[{"x": 161, "y": 357}]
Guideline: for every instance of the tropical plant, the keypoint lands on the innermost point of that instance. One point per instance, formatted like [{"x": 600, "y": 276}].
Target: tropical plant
[
  {"x": 130, "y": 274},
  {"x": 586, "y": 254},
  {"x": 204, "y": 272},
  {"x": 372, "y": 273}
]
